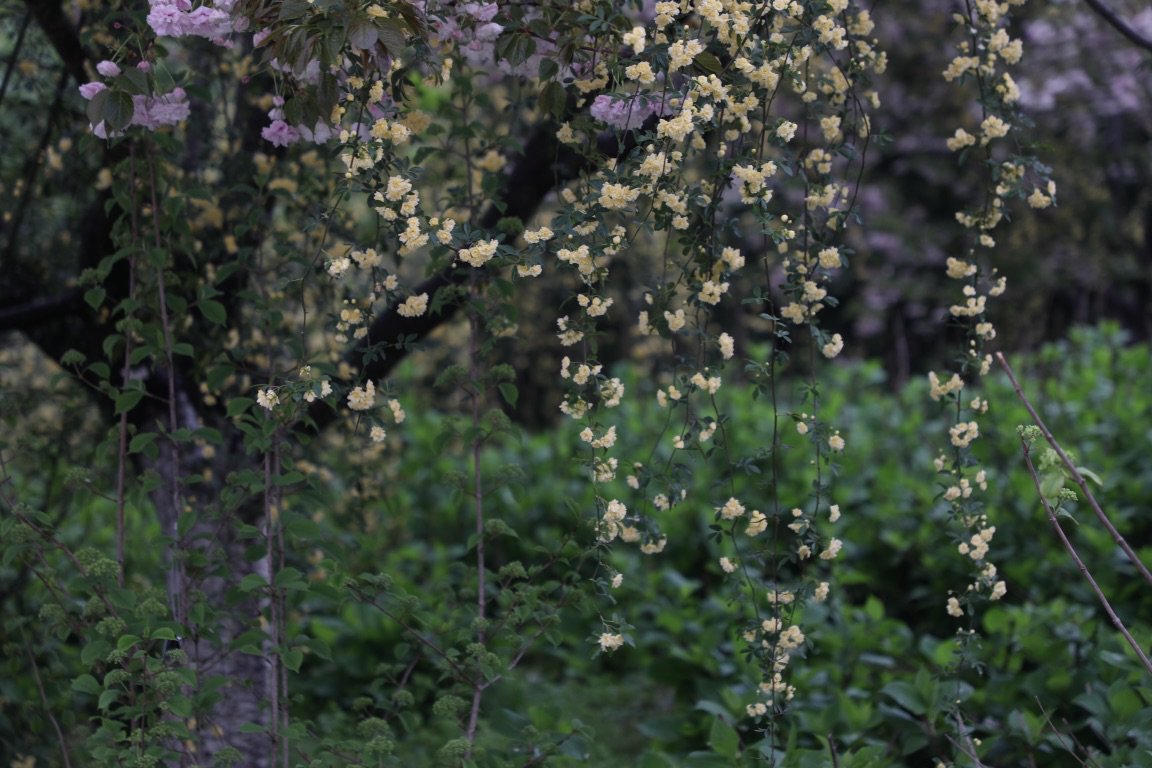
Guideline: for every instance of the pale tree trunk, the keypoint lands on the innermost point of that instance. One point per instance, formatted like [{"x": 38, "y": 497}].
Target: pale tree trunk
[{"x": 206, "y": 564}]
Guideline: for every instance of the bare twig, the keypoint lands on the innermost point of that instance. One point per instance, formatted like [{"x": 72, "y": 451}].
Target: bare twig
[
  {"x": 1113, "y": 19},
  {"x": 968, "y": 748},
  {"x": 1074, "y": 473},
  {"x": 1116, "y": 622},
  {"x": 47, "y": 708},
  {"x": 1060, "y": 737}
]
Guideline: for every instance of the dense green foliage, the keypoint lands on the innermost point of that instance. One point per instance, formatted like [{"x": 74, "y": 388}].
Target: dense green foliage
[{"x": 1052, "y": 683}]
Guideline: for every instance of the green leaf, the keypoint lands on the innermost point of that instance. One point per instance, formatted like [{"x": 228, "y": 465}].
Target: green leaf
[
  {"x": 94, "y": 297},
  {"x": 706, "y": 62},
  {"x": 1051, "y": 484},
  {"x": 163, "y": 633},
  {"x": 392, "y": 34},
  {"x": 142, "y": 442},
  {"x": 95, "y": 108},
  {"x": 553, "y": 99},
  {"x": 904, "y": 694},
  {"x": 287, "y": 577},
  {"x": 95, "y": 651},
  {"x": 509, "y": 393},
  {"x": 118, "y": 110},
  {"x": 1084, "y": 471},
  {"x": 723, "y": 739},
  {"x": 133, "y": 81},
  {"x": 290, "y": 478},
  {"x": 126, "y": 401},
  {"x": 252, "y": 581},
  {"x": 86, "y": 684},
  {"x": 238, "y": 406},
  {"x": 180, "y": 706},
  {"x": 213, "y": 311},
  {"x": 362, "y": 36},
  {"x": 293, "y": 658},
  {"x": 107, "y": 698},
  {"x": 126, "y": 641}
]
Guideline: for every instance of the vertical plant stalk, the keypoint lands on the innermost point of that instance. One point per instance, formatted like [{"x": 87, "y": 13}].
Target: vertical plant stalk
[
  {"x": 1116, "y": 622},
  {"x": 274, "y": 551},
  {"x": 478, "y": 683},
  {"x": 179, "y": 596},
  {"x": 1074, "y": 473},
  {"x": 122, "y": 455}
]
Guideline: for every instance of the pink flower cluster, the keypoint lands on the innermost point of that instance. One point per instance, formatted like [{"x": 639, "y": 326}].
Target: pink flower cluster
[
  {"x": 625, "y": 112},
  {"x": 280, "y": 133},
  {"x": 149, "y": 112},
  {"x": 177, "y": 18}
]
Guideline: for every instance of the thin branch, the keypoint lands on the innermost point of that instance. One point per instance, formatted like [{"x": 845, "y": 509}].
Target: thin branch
[
  {"x": 1127, "y": 30},
  {"x": 31, "y": 170},
  {"x": 1060, "y": 737},
  {"x": 15, "y": 55},
  {"x": 968, "y": 748},
  {"x": 22, "y": 317},
  {"x": 1116, "y": 622},
  {"x": 1074, "y": 473},
  {"x": 47, "y": 709}
]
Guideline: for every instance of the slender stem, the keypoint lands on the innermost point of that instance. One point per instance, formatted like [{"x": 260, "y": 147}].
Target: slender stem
[
  {"x": 1074, "y": 473},
  {"x": 478, "y": 500},
  {"x": 279, "y": 598},
  {"x": 1116, "y": 622},
  {"x": 180, "y": 602},
  {"x": 274, "y": 638},
  {"x": 122, "y": 464}
]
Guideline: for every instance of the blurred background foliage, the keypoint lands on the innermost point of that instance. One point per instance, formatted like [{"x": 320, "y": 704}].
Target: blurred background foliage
[
  {"x": 1088, "y": 91},
  {"x": 1054, "y": 684}
]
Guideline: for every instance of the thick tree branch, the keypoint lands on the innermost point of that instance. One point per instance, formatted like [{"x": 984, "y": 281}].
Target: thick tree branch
[
  {"x": 544, "y": 165},
  {"x": 30, "y": 314},
  {"x": 1120, "y": 25},
  {"x": 58, "y": 28}
]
